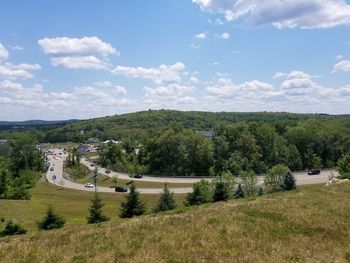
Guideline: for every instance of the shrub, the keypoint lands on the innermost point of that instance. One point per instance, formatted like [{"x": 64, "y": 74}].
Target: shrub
[
  {"x": 95, "y": 211},
  {"x": 260, "y": 191},
  {"x": 221, "y": 191},
  {"x": 288, "y": 182},
  {"x": 12, "y": 228},
  {"x": 274, "y": 178},
  {"x": 239, "y": 193},
  {"x": 51, "y": 221},
  {"x": 344, "y": 167},
  {"x": 201, "y": 194},
  {"x": 166, "y": 201},
  {"x": 133, "y": 205}
]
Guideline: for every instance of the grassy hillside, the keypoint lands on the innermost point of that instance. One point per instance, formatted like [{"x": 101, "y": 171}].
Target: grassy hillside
[
  {"x": 310, "y": 225},
  {"x": 71, "y": 204}
]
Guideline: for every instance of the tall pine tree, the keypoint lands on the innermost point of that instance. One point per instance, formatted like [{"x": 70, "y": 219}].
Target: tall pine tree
[
  {"x": 95, "y": 211},
  {"x": 166, "y": 201},
  {"x": 221, "y": 191},
  {"x": 133, "y": 205},
  {"x": 51, "y": 220},
  {"x": 239, "y": 193}
]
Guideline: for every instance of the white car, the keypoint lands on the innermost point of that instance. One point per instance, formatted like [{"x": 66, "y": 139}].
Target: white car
[{"x": 88, "y": 185}]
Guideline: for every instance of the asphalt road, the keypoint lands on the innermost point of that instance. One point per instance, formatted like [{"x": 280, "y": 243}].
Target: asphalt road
[{"x": 56, "y": 161}]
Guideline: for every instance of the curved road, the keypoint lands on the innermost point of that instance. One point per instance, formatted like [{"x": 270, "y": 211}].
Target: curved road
[{"x": 57, "y": 157}]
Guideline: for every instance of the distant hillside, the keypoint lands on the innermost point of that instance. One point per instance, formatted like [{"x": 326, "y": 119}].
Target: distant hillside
[
  {"x": 140, "y": 124},
  {"x": 18, "y": 125}
]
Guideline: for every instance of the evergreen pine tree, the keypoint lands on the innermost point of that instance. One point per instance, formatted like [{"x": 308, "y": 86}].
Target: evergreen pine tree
[
  {"x": 51, "y": 220},
  {"x": 12, "y": 228},
  {"x": 166, "y": 201},
  {"x": 221, "y": 192},
  {"x": 239, "y": 193},
  {"x": 133, "y": 205},
  {"x": 201, "y": 194},
  {"x": 95, "y": 211},
  {"x": 288, "y": 183}
]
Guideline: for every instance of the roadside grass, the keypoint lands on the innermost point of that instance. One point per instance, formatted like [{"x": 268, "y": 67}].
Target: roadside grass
[
  {"x": 311, "y": 224},
  {"x": 106, "y": 181},
  {"x": 77, "y": 172},
  {"x": 71, "y": 204}
]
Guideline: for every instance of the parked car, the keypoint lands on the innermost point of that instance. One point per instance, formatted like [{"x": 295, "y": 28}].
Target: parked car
[
  {"x": 314, "y": 172},
  {"x": 120, "y": 189},
  {"x": 138, "y": 176},
  {"x": 108, "y": 171},
  {"x": 51, "y": 169},
  {"x": 92, "y": 164},
  {"x": 88, "y": 185}
]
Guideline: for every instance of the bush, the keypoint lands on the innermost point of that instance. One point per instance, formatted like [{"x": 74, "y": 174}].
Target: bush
[
  {"x": 51, "y": 221},
  {"x": 260, "y": 191},
  {"x": 95, "y": 211},
  {"x": 221, "y": 191},
  {"x": 344, "y": 167},
  {"x": 288, "y": 182},
  {"x": 239, "y": 193},
  {"x": 166, "y": 201},
  {"x": 133, "y": 205},
  {"x": 12, "y": 228},
  {"x": 201, "y": 194},
  {"x": 274, "y": 178}
]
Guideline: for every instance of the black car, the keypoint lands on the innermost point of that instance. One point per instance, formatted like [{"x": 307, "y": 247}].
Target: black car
[
  {"x": 138, "y": 176},
  {"x": 314, "y": 172},
  {"x": 121, "y": 189}
]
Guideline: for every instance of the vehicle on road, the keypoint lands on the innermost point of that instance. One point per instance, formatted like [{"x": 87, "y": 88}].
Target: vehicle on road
[
  {"x": 92, "y": 164},
  {"x": 108, "y": 171},
  {"x": 51, "y": 169},
  {"x": 120, "y": 189},
  {"x": 314, "y": 172},
  {"x": 138, "y": 176},
  {"x": 88, "y": 185}
]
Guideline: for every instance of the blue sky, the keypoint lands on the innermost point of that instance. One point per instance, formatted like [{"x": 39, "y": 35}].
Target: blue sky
[{"x": 83, "y": 59}]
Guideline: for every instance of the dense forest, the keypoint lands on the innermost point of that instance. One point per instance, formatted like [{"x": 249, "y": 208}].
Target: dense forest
[
  {"x": 171, "y": 142},
  {"x": 21, "y": 164}
]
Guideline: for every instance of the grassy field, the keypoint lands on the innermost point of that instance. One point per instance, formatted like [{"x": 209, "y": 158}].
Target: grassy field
[
  {"x": 71, "y": 204},
  {"x": 106, "y": 181},
  {"x": 311, "y": 224}
]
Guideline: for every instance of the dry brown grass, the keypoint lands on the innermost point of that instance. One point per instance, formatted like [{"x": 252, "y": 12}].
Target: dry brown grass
[{"x": 309, "y": 225}]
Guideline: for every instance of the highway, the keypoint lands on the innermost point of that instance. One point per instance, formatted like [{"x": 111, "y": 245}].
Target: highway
[{"x": 57, "y": 156}]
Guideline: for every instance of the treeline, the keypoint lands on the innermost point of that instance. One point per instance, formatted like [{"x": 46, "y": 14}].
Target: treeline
[
  {"x": 20, "y": 166},
  {"x": 253, "y": 146},
  {"x": 141, "y": 125}
]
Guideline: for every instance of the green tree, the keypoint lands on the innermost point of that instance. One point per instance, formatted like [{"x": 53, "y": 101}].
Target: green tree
[
  {"x": 239, "y": 193},
  {"x": 4, "y": 181},
  {"x": 133, "y": 205},
  {"x": 12, "y": 228},
  {"x": 288, "y": 183},
  {"x": 221, "y": 191},
  {"x": 166, "y": 201},
  {"x": 95, "y": 211},
  {"x": 200, "y": 194},
  {"x": 344, "y": 167},
  {"x": 274, "y": 177},
  {"x": 260, "y": 191},
  {"x": 51, "y": 220},
  {"x": 249, "y": 182}
]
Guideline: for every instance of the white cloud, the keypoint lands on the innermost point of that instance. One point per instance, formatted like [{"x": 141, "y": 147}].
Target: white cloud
[
  {"x": 7, "y": 84},
  {"x": 342, "y": 66},
  {"x": 280, "y": 75},
  {"x": 195, "y": 46},
  {"x": 194, "y": 80},
  {"x": 103, "y": 84},
  {"x": 120, "y": 90},
  {"x": 201, "y": 35},
  {"x": 78, "y": 53},
  {"x": 23, "y": 66},
  {"x": 6, "y": 72},
  {"x": 223, "y": 35},
  {"x": 161, "y": 74},
  {"x": 80, "y": 62},
  {"x": 19, "y": 48},
  {"x": 305, "y": 14},
  {"x": 76, "y": 46},
  {"x": 299, "y": 75},
  {"x": 171, "y": 90},
  {"x": 3, "y": 53}
]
